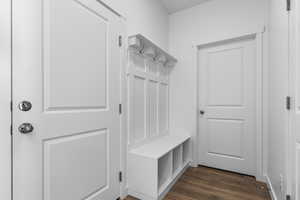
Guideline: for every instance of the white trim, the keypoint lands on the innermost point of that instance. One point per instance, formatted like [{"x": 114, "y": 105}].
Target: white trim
[
  {"x": 140, "y": 195},
  {"x": 294, "y": 60},
  {"x": 296, "y": 193},
  {"x": 271, "y": 189},
  {"x": 292, "y": 73},
  {"x": 5, "y": 98},
  {"x": 195, "y": 138},
  {"x": 265, "y": 102},
  {"x": 261, "y": 102},
  {"x": 123, "y": 121},
  {"x": 109, "y": 7},
  {"x": 259, "y": 106},
  {"x": 231, "y": 37}
]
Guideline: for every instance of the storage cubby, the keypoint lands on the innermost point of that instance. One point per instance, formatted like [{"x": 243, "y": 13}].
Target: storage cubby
[
  {"x": 164, "y": 169},
  {"x": 154, "y": 167},
  {"x": 186, "y": 151},
  {"x": 177, "y": 159}
]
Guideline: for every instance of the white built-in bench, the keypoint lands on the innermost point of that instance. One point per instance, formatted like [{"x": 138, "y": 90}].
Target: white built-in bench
[
  {"x": 155, "y": 158},
  {"x": 154, "y": 167}
]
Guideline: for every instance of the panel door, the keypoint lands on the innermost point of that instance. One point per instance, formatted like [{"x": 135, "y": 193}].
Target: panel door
[
  {"x": 227, "y": 105},
  {"x": 66, "y": 62}
]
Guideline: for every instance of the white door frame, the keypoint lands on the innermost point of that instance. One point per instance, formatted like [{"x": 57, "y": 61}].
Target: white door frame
[
  {"x": 293, "y": 146},
  {"x": 123, "y": 103},
  {"x": 261, "y": 108},
  {"x": 5, "y": 98},
  {"x": 123, "y": 121}
]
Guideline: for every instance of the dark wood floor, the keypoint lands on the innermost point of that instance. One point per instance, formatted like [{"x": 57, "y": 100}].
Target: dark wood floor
[{"x": 210, "y": 184}]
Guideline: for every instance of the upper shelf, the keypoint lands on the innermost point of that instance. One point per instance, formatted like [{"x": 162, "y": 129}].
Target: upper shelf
[{"x": 146, "y": 47}]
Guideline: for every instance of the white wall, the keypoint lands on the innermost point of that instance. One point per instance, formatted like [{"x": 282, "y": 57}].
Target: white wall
[
  {"x": 5, "y": 99},
  {"x": 211, "y": 21},
  {"x": 148, "y": 17}
]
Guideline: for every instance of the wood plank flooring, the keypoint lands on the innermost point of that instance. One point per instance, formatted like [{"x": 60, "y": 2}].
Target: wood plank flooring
[{"x": 204, "y": 183}]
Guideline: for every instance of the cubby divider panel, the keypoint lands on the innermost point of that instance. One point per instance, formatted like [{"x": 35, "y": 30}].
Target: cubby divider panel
[
  {"x": 164, "y": 169},
  {"x": 177, "y": 159},
  {"x": 186, "y": 151}
]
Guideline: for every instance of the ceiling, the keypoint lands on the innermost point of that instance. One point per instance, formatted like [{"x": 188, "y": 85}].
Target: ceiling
[{"x": 177, "y": 5}]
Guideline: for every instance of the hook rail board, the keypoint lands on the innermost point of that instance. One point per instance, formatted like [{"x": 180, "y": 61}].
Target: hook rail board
[{"x": 146, "y": 47}]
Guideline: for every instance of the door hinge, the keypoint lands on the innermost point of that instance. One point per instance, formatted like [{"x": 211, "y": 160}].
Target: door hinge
[
  {"x": 288, "y": 103},
  {"x": 11, "y": 106},
  {"x": 120, "y": 109},
  {"x": 120, "y": 177},
  {"x": 288, "y": 5},
  {"x": 11, "y": 129},
  {"x": 120, "y": 40}
]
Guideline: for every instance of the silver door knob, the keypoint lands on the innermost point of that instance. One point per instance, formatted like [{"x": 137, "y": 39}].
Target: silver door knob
[
  {"x": 25, "y": 106},
  {"x": 26, "y": 128}
]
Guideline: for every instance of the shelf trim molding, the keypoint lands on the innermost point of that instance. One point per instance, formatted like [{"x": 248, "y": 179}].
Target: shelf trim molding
[{"x": 146, "y": 47}]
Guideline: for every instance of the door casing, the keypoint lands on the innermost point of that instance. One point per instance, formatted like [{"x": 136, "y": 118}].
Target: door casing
[
  {"x": 5, "y": 98},
  {"x": 261, "y": 107},
  {"x": 293, "y": 141}
]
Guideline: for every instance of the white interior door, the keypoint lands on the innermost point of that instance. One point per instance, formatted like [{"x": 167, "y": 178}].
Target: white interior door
[
  {"x": 227, "y": 102},
  {"x": 66, "y": 62}
]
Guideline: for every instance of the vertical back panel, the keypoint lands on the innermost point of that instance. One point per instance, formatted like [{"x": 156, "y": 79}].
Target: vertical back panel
[{"x": 148, "y": 98}]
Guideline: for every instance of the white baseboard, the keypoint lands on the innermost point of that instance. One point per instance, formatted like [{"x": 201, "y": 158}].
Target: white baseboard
[
  {"x": 261, "y": 179},
  {"x": 124, "y": 193},
  {"x": 271, "y": 189},
  {"x": 139, "y": 195}
]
